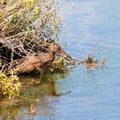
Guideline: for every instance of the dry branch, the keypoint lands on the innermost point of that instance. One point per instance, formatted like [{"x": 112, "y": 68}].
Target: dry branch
[{"x": 26, "y": 26}]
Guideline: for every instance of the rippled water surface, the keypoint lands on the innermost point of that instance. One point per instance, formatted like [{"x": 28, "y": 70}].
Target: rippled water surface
[{"x": 92, "y": 95}]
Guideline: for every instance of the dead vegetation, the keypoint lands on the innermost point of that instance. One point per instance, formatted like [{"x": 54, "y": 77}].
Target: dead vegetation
[
  {"x": 26, "y": 27},
  {"x": 92, "y": 64}
]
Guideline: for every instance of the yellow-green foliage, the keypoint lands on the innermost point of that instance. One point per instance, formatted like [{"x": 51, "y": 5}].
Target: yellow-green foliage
[
  {"x": 28, "y": 26},
  {"x": 17, "y": 18},
  {"x": 9, "y": 86},
  {"x": 57, "y": 65}
]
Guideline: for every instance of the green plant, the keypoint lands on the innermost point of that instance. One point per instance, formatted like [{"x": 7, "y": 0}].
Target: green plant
[
  {"x": 9, "y": 86},
  {"x": 27, "y": 26}
]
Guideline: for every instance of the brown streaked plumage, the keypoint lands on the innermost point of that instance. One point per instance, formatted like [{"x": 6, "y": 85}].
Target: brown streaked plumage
[{"x": 35, "y": 61}]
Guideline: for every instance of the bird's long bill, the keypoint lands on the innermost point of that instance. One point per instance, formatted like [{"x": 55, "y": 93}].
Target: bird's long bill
[{"x": 68, "y": 57}]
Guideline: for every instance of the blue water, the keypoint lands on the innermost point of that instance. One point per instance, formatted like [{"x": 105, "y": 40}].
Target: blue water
[{"x": 93, "y": 95}]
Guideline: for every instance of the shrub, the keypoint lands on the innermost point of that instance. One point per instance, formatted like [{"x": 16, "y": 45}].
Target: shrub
[{"x": 9, "y": 86}]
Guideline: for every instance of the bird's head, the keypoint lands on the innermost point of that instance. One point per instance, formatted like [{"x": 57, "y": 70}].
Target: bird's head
[{"x": 57, "y": 48}]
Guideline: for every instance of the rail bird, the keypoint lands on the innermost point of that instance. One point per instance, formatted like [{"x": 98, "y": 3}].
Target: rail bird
[{"x": 40, "y": 60}]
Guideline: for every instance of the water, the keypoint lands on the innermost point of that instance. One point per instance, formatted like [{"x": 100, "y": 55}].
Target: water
[{"x": 92, "y": 95}]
